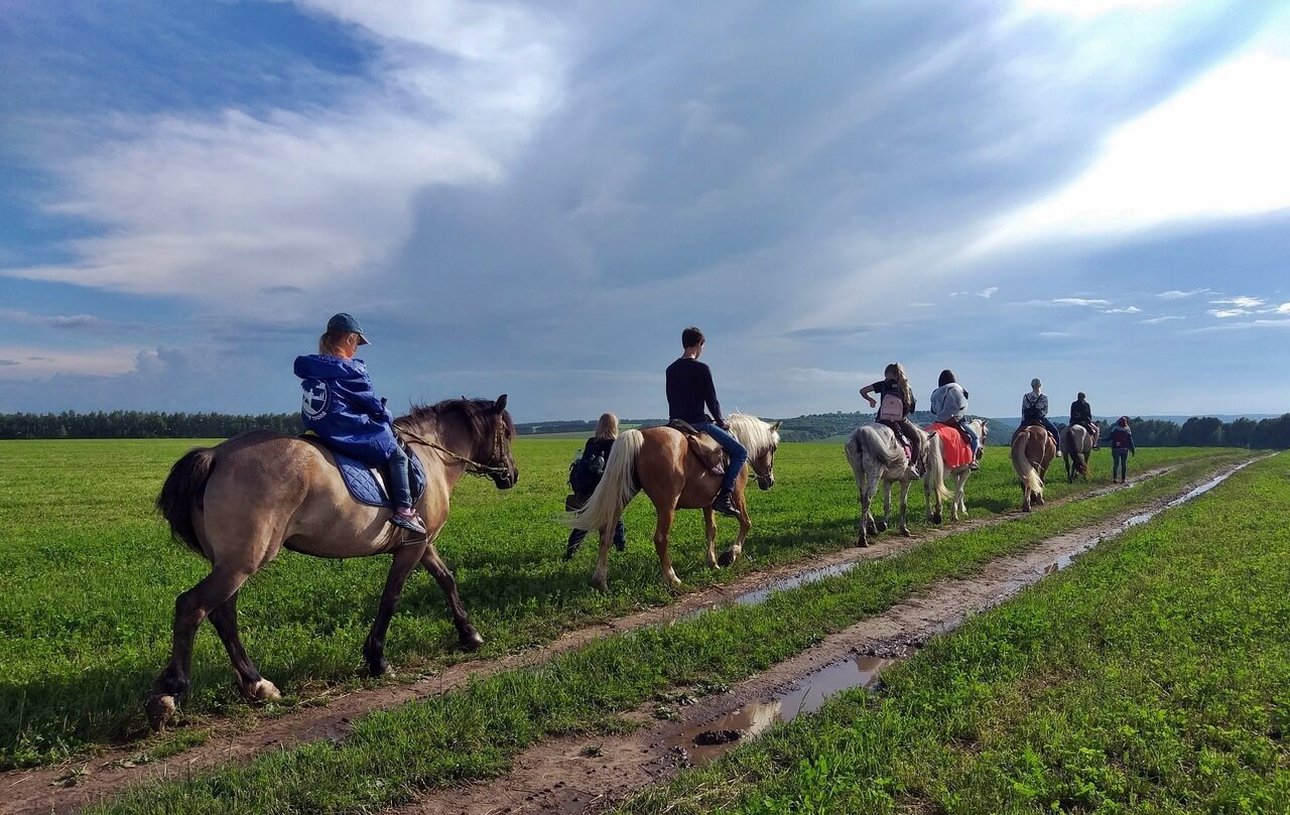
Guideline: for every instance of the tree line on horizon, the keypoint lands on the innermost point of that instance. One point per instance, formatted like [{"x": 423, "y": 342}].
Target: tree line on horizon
[{"x": 1198, "y": 431}]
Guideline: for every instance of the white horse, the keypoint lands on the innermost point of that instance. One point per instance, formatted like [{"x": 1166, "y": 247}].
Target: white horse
[
  {"x": 1077, "y": 446},
  {"x": 936, "y": 474},
  {"x": 875, "y": 455}
]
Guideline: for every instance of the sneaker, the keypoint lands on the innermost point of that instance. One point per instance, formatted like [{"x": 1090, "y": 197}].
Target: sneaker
[
  {"x": 723, "y": 504},
  {"x": 973, "y": 465},
  {"x": 1059, "y": 453},
  {"x": 408, "y": 519}
]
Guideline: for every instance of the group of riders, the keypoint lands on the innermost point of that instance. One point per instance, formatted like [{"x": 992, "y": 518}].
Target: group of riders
[{"x": 340, "y": 405}]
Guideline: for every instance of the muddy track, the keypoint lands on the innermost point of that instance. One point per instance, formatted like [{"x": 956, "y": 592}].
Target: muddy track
[
  {"x": 592, "y": 774},
  {"x": 67, "y": 787}
]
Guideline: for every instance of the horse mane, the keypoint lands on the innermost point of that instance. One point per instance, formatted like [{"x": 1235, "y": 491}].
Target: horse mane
[
  {"x": 752, "y": 433},
  {"x": 476, "y": 413}
]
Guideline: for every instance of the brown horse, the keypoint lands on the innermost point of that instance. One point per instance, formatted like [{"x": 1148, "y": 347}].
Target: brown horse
[
  {"x": 1032, "y": 451},
  {"x": 239, "y": 503},
  {"x": 658, "y": 461}
]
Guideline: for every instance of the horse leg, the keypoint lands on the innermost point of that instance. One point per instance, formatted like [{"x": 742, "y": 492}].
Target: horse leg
[
  {"x": 467, "y": 637},
  {"x": 886, "y": 506},
  {"x": 959, "y": 508},
  {"x": 904, "y": 503},
  {"x": 405, "y": 560},
  {"x": 662, "y": 529},
  {"x": 862, "y": 538},
  {"x": 191, "y": 608},
  {"x": 732, "y": 554},
  {"x": 710, "y": 534},
  {"x": 253, "y": 686}
]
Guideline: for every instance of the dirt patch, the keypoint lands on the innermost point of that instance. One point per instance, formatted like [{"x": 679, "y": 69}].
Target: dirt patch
[{"x": 67, "y": 787}]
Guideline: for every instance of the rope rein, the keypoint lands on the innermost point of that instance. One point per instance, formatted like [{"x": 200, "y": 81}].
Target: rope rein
[{"x": 473, "y": 467}]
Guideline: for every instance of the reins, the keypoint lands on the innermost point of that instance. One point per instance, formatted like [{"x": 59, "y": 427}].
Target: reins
[{"x": 473, "y": 467}]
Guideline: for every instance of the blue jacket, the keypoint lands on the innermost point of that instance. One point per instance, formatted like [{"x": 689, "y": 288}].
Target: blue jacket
[{"x": 340, "y": 406}]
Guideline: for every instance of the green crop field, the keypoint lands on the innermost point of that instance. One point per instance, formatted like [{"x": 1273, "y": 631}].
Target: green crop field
[
  {"x": 88, "y": 579},
  {"x": 1152, "y": 677}
]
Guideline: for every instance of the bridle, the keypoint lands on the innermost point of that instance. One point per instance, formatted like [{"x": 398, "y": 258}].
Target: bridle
[{"x": 473, "y": 467}]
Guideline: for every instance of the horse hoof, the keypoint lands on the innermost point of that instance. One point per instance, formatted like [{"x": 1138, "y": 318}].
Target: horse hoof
[
  {"x": 862, "y": 544},
  {"x": 936, "y": 519},
  {"x": 725, "y": 558},
  {"x": 160, "y": 709},
  {"x": 600, "y": 584},
  {"x": 262, "y": 690},
  {"x": 906, "y": 533},
  {"x": 379, "y": 668},
  {"x": 881, "y": 526},
  {"x": 470, "y": 640}
]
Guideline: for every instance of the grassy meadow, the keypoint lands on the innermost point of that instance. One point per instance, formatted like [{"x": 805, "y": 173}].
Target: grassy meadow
[
  {"x": 88, "y": 578},
  {"x": 473, "y": 733}
]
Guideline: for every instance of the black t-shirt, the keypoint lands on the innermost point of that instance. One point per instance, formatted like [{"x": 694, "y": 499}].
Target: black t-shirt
[
  {"x": 689, "y": 390},
  {"x": 1081, "y": 412}
]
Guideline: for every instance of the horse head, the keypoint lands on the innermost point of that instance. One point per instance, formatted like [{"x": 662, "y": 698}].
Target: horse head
[
  {"x": 477, "y": 433},
  {"x": 761, "y": 440}
]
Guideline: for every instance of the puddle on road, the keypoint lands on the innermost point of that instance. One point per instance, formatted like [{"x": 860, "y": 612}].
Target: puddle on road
[{"x": 703, "y": 743}]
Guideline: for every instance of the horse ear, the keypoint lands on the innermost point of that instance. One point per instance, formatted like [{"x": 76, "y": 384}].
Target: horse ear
[
  {"x": 501, "y": 403},
  {"x": 775, "y": 427}
]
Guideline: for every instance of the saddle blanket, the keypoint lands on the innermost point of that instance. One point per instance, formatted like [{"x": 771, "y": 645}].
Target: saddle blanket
[
  {"x": 958, "y": 453},
  {"x": 367, "y": 484}
]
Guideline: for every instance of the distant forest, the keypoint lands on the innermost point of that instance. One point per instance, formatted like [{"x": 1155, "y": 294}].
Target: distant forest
[{"x": 1266, "y": 434}]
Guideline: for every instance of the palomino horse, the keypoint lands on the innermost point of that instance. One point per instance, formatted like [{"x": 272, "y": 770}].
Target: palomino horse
[
  {"x": 1077, "y": 446},
  {"x": 876, "y": 456},
  {"x": 1032, "y": 451},
  {"x": 239, "y": 503},
  {"x": 936, "y": 474},
  {"x": 658, "y": 461}
]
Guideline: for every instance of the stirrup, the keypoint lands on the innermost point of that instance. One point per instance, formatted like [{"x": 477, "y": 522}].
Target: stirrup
[{"x": 411, "y": 522}]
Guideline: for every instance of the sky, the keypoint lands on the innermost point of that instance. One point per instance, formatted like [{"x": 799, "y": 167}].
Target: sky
[{"x": 536, "y": 198}]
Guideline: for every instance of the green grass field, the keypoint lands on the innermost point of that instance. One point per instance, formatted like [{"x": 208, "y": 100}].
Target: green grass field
[
  {"x": 88, "y": 579},
  {"x": 472, "y": 733},
  {"x": 1152, "y": 677}
]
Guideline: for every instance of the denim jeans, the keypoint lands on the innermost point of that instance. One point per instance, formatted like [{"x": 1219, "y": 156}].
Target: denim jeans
[
  {"x": 400, "y": 489},
  {"x": 1120, "y": 462},
  {"x": 738, "y": 454},
  {"x": 974, "y": 441}
]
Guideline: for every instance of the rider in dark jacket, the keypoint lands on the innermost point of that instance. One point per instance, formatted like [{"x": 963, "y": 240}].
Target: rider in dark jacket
[
  {"x": 340, "y": 405},
  {"x": 1082, "y": 414}
]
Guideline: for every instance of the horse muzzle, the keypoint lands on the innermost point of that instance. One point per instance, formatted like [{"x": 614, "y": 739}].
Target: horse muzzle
[
  {"x": 508, "y": 479},
  {"x": 766, "y": 482}
]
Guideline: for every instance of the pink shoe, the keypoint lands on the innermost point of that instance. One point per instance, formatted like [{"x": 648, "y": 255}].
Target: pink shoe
[{"x": 407, "y": 518}]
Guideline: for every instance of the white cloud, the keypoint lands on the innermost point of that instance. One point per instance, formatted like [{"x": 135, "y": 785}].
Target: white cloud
[
  {"x": 1240, "y": 302},
  {"x": 1080, "y": 301},
  {"x": 218, "y": 206},
  {"x": 1225, "y": 313},
  {"x": 1055, "y": 335},
  {"x": 1284, "y": 308},
  {"x": 1124, "y": 310},
  {"x": 987, "y": 292},
  {"x": 28, "y": 362},
  {"x": 1214, "y": 150},
  {"x": 1175, "y": 294},
  {"x": 1164, "y": 319}
]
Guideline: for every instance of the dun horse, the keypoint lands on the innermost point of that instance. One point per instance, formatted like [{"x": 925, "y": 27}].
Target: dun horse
[
  {"x": 239, "y": 503},
  {"x": 936, "y": 474},
  {"x": 875, "y": 456},
  {"x": 1077, "y": 446},
  {"x": 657, "y": 460},
  {"x": 1032, "y": 451}
]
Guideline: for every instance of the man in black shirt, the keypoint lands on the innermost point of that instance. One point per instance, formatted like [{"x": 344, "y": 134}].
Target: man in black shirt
[
  {"x": 1082, "y": 413},
  {"x": 689, "y": 392}
]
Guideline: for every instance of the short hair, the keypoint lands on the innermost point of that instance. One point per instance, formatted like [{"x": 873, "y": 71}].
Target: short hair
[
  {"x": 607, "y": 427},
  {"x": 691, "y": 337},
  {"x": 947, "y": 376},
  {"x": 1081, "y": 395},
  {"x": 1035, "y": 383}
]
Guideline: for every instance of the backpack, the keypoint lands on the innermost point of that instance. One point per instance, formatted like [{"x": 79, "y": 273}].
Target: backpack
[{"x": 585, "y": 473}]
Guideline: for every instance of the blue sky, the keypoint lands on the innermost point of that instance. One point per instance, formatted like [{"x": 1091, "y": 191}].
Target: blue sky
[{"x": 535, "y": 198}]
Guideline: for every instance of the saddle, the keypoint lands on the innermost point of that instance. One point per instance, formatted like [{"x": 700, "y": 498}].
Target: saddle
[
  {"x": 367, "y": 484},
  {"x": 901, "y": 438},
  {"x": 958, "y": 451},
  {"x": 702, "y": 446}
]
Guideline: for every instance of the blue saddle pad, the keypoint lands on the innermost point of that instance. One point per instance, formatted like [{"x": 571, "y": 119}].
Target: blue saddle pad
[{"x": 367, "y": 488}]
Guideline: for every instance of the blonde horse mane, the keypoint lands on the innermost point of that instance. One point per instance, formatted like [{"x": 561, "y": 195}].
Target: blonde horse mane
[{"x": 753, "y": 433}]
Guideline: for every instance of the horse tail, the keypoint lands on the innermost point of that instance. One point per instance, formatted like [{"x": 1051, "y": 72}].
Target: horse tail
[
  {"x": 935, "y": 476},
  {"x": 1025, "y": 470},
  {"x": 182, "y": 493},
  {"x": 617, "y": 485},
  {"x": 882, "y": 447}
]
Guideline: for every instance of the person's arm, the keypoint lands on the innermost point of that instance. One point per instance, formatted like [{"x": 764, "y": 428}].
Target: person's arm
[
  {"x": 710, "y": 398},
  {"x": 358, "y": 389},
  {"x": 867, "y": 393}
]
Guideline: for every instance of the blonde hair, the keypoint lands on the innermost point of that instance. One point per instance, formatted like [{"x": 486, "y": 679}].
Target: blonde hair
[
  {"x": 607, "y": 427},
  {"x": 331, "y": 342}
]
